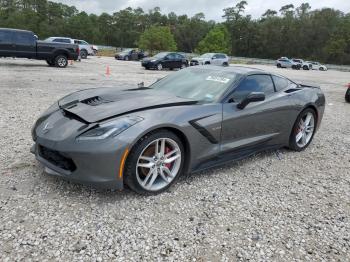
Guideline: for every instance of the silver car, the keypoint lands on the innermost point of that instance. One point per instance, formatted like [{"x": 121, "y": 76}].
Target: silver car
[
  {"x": 84, "y": 47},
  {"x": 211, "y": 59},
  {"x": 287, "y": 63}
]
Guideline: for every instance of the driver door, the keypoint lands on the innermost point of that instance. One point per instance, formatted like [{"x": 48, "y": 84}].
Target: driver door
[{"x": 259, "y": 124}]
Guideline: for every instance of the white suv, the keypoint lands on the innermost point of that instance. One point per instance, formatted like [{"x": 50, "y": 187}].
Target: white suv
[
  {"x": 210, "y": 59},
  {"x": 84, "y": 47}
]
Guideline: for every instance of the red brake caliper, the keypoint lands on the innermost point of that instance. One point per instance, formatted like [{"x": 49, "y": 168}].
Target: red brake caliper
[{"x": 167, "y": 150}]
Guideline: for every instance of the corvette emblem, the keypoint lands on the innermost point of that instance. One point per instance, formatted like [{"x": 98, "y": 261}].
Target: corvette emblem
[{"x": 47, "y": 128}]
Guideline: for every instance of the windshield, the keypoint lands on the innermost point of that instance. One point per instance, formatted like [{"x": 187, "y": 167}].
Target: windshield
[
  {"x": 161, "y": 55},
  {"x": 207, "y": 55},
  {"x": 126, "y": 51},
  {"x": 199, "y": 84}
]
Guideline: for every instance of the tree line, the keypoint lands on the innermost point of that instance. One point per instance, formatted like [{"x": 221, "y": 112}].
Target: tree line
[{"x": 294, "y": 31}]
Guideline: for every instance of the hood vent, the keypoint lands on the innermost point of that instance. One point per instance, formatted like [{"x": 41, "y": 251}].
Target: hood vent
[{"x": 95, "y": 101}]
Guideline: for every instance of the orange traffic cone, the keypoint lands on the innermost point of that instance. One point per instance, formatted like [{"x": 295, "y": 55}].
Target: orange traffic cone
[{"x": 108, "y": 72}]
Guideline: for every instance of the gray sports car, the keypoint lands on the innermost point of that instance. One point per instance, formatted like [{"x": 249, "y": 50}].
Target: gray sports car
[{"x": 191, "y": 120}]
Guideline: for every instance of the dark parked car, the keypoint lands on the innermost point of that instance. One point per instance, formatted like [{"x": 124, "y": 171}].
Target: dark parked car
[
  {"x": 191, "y": 120},
  {"x": 162, "y": 60},
  {"x": 131, "y": 54},
  {"x": 21, "y": 43}
]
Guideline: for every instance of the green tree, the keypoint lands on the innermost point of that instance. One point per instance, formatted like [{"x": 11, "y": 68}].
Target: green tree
[
  {"x": 157, "y": 38},
  {"x": 216, "y": 40}
]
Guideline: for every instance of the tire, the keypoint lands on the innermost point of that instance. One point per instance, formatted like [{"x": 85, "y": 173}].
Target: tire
[
  {"x": 126, "y": 58},
  {"x": 305, "y": 67},
  {"x": 61, "y": 61},
  {"x": 183, "y": 66},
  {"x": 322, "y": 69},
  {"x": 298, "y": 134},
  {"x": 159, "y": 67},
  {"x": 225, "y": 64},
  {"x": 279, "y": 66},
  {"x": 83, "y": 54},
  {"x": 135, "y": 176},
  {"x": 207, "y": 63},
  {"x": 347, "y": 95}
]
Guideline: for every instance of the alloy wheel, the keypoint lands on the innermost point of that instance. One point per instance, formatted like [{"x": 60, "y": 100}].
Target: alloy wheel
[
  {"x": 158, "y": 164},
  {"x": 305, "y": 130},
  {"x": 159, "y": 67},
  {"x": 62, "y": 62}
]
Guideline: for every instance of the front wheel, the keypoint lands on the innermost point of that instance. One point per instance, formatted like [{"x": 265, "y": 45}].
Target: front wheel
[
  {"x": 305, "y": 67},
  {"x": 159, "y": 67},
  {"x": 61, "y": 61},
  {"x": 303, "y": 130},
  {"x": 279, "y": 66},
  {"x": 83, "y": 54},
  {"x": 347, "y": 95},
  {"x": 155, "y": 163},
  {"x": 183, "y": 65}
]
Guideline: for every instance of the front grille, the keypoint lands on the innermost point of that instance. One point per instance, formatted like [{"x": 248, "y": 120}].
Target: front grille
[{"x": 56, "y": 158}]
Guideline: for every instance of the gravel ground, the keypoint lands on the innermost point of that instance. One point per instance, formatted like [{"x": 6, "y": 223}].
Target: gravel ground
[{"x": 277, "y": 205}]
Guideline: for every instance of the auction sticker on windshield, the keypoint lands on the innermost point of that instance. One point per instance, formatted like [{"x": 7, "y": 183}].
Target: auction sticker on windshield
[{"x": 218, "y": 79}]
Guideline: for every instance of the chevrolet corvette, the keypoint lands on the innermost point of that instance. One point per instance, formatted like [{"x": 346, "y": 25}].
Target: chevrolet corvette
[{"x": 194, "y": 119}]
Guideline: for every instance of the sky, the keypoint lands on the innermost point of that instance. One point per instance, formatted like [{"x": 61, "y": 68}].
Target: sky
[{"x": 211, "y": 8}]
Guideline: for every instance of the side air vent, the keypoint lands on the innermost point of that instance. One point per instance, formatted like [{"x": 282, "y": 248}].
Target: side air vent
[
  {"x": 292, "y": 90},
  {"x": 94, "y": 101}
]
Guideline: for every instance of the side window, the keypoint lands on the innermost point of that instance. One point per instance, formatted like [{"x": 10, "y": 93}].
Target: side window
[
  {"x": 24, "y": 38},
  {"x": 5, "y": 36},
  {"x": 216, "y": 56},
  {"x": 178, "y": 56},
  {"x": 253, "y": 83},
  {"x": 280, "y": 83},
  {"x": 171, "y": 56}
]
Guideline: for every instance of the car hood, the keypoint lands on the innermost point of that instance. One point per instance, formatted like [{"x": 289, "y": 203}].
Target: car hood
[
  {"x": 151, "y": 58},
  {"x": 96, "y": 105}
]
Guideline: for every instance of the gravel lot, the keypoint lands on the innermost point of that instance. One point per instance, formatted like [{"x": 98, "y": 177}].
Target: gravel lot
[{"x": 274, "y": 206}]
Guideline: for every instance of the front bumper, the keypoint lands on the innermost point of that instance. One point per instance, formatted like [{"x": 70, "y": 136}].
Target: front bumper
[
  {"x": 149, "y": 64},
  {"x": 97, "y": 166}
]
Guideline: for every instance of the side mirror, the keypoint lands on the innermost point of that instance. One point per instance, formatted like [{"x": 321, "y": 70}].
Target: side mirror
[{"x": 252, "y": 97}]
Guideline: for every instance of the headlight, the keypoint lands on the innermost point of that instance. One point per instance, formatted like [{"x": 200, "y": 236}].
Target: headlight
[
  {"x": 154, "y": 60},
  {"x": 109, "y": 129}
]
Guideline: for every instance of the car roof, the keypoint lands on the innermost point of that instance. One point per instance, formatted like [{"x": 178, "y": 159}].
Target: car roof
[
  {"x": 62, "y": 37},
  {"x": 15, "y": 30}
]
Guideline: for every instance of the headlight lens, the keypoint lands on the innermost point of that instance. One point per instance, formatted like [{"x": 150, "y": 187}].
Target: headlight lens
[{"x": 109, "y": 129}]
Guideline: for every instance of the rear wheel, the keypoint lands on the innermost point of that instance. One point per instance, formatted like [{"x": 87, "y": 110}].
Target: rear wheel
[
  {"x": 155, "y": 163},
  {"x": 347, "y": 95},
  {"x": 83, "y": 54},
  {"x": 225, "y": 64},
  {"x": 305, "y": 67},
  {"x": 303, "y": 130},
  {"x": 61, "y": 61},
  {"x": 279, "y": 65},
  {"x": 183, "y": 65}
]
